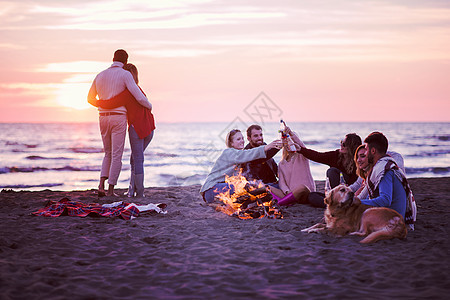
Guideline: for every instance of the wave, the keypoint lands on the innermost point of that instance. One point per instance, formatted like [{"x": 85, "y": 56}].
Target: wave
[
  {"x": 5, "y": 170},
  {"x": 312, "y": 142},
  {"x": 37, "y": 157},
  {"x": 166, "y": 154},
  {"x": 429, "y": 154},
  {"x": 434, "y": 170},
  {"x": 180, "y": 163},
  {"x": 179, "y": 180},
  {"x": 31, "y": 146},
  {"x": 26, "y": 186},
  {"x": 86, "y": 150},
  {"x": 440, "y": 137},
  {"x": 443, "y": 138}
]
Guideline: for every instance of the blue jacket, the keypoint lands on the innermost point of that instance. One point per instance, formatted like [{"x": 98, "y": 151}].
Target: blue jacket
[{"x": 391, "y": 194}]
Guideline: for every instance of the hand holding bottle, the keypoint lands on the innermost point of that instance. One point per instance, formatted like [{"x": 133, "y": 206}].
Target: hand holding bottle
[
  {"x": 285, "y": 137},
  {"x": 292, "y": 146},
  {"x": 288, "y": 131},
  {"x": 277, "y": 144}
]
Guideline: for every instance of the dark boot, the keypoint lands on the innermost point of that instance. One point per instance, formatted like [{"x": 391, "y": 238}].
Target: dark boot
[
  {"x": 130, "y": 192},
  {"x": 139, "y": 184}
]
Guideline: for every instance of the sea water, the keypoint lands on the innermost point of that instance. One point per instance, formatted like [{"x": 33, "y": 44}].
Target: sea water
[{"x": 63, "y": 156}]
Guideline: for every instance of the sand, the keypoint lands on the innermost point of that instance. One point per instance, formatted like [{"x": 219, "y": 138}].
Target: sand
[{"x": 194, "y": 252}]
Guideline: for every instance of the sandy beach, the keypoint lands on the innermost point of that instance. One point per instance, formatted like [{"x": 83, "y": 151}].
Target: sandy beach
[{"x": 194, "y": 252}]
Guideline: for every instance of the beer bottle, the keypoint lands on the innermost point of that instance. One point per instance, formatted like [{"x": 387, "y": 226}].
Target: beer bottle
[{"x": 285, "y": 138}]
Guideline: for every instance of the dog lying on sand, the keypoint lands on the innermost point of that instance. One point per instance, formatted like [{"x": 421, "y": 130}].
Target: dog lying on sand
[{"x": 346, "y": 215}]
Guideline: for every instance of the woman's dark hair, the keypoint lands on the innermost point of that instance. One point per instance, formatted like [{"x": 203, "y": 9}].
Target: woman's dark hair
[
  {"x": 230, "y": 136},
  {"x": 133, "y": 70},
  {"x": 352, "y": 142}
]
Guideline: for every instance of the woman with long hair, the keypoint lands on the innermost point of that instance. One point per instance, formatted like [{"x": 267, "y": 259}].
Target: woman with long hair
[
  {"x": 294, "y": 174},
  {"x": 340, "y": 160},
  {"x": 363, "y": 168}
]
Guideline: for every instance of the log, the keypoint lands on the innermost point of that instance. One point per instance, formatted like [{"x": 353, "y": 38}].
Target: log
[{"x": 258, "y": 191}]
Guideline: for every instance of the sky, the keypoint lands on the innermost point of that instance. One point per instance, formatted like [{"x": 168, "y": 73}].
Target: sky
[{"x": 206, "y": 61}]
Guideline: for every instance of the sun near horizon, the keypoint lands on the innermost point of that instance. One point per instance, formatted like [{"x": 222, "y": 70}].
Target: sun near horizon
[{"x": 201, "y": 62}]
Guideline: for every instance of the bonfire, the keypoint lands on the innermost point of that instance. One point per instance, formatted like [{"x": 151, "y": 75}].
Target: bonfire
[{"x": 249, "y": 200}]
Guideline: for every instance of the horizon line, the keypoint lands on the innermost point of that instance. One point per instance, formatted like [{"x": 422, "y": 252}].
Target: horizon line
[{"x": 209, "y": 122}]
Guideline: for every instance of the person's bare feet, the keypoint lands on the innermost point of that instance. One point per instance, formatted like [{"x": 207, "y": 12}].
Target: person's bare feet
[
  {"x": 101, "y": 187},
  {"x": 110, "y": 192}
]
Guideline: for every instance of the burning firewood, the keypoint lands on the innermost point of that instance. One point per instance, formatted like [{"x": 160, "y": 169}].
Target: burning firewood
[
  {"x": 243, "y": 198},
  {"x": 250, "y": 200},
  {"x": 258, "y": 191}
]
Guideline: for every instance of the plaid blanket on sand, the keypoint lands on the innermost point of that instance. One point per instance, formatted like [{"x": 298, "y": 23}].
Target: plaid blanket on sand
[{"x": 120, "y": 209}]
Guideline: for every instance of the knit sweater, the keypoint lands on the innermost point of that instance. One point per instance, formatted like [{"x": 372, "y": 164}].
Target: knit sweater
[
  {"x": 112, "y": 82},
  {"x": 294, "y": 173}
]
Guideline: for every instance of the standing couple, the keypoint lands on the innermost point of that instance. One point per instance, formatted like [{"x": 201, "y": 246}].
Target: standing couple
[{"x": 121, "y": 99}]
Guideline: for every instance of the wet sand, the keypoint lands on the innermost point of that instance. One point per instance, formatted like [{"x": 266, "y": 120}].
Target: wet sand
[{"x": 194, "y": 252}]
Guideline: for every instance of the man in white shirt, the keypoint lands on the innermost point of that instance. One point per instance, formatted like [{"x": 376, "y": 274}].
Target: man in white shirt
[{"x": 113, "y": 122}]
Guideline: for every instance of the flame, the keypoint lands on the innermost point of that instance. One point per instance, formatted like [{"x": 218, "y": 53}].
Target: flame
[{"x": 250, "y": 200}]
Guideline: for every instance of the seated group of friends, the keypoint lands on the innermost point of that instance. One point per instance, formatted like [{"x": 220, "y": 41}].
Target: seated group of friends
[{"x": 376, "y": 175}]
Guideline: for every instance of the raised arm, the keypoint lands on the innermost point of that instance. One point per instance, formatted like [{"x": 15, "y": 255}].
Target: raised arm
[
  {"x": 272, "y": 152},
  {"x": 297, "y": 142},
  {"x": 329, "y": 158},
  {"x": 235, "y": 156}
]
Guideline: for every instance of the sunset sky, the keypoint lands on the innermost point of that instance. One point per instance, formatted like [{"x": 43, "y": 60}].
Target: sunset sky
[{"x": 200, "y": 60}]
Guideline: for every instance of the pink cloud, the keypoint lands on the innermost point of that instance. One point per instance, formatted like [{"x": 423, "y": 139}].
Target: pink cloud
[{"x": 327, "y": 60}]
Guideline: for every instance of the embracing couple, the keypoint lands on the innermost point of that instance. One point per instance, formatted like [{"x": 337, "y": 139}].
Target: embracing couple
[{"x": 119, "y": 99}]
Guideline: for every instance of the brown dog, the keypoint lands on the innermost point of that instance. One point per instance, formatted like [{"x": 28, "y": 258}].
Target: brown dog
[{"x": 346, "y": 215}]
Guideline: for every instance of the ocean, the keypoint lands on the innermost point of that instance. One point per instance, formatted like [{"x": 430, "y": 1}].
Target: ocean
[{"x": 68, "y": 156}]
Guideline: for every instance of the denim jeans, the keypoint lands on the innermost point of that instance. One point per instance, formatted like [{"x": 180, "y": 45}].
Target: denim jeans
[
  {"x": 138, "y": 147},
  {"x": 334, "y": 176},
  {"x": 217, "y": 189},
  {"x": 274, "y": 184},
  {"x": 316, "y": 199}
]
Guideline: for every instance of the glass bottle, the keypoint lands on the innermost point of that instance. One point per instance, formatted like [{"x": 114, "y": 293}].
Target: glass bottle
[{"x": 285, "y": 138}]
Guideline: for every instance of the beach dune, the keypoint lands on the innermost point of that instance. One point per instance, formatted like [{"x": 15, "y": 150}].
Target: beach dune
[{"x": 194, "y": 252}]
